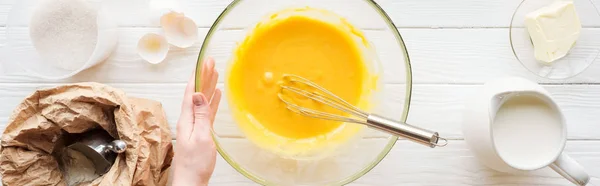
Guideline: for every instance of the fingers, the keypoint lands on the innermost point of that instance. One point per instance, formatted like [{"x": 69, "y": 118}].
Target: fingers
[
  {"x": 187, "y": 96},
  {"x": 207, "y": 70},
  {"x": 186, "y": 117},
  {"x": 209, "y": 86},
  {"x": 202, "y": 115},
  {"x": 203, "y": 110},
  {"x": 210, "y": 90},
  {"x": 214, "y": 104},
  {"x": 209, "y": 76}
]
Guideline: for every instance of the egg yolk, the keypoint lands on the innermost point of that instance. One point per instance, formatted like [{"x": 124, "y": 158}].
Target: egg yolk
[{"x": 304, "y": 43}]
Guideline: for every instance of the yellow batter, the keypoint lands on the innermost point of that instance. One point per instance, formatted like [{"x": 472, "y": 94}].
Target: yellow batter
[{"x": 310, "y": 43}]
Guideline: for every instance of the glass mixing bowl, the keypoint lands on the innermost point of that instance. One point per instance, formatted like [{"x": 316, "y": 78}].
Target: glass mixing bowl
[{"x": 356, "y": 157}]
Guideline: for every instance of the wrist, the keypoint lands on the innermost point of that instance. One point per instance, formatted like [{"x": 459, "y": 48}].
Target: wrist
[
  {"x": 188, "y": 182},
  {"x": 184, "y": 179}
]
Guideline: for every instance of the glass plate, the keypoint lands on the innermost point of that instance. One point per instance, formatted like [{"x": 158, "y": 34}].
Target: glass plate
[{"x": 579, "y": 58}]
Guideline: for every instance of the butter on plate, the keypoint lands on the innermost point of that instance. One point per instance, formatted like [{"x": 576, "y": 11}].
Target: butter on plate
[{"x": 553, "y": 29}]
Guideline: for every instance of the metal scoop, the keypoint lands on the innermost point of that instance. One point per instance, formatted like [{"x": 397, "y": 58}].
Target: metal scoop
[{"x": 100, "y": 147}]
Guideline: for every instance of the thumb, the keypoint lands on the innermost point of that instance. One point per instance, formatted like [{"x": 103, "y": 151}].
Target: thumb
[{"x": 201, "y": 111}]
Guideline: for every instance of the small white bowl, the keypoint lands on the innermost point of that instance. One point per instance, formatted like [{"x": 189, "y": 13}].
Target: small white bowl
[{"x": 19, "y": 48}]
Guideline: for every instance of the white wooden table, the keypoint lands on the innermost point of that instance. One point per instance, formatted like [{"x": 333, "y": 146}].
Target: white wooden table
[{"x": 454, "y": 45}]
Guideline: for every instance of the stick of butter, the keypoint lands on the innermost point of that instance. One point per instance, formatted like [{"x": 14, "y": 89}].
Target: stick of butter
[{"x": 553, "y": 29}]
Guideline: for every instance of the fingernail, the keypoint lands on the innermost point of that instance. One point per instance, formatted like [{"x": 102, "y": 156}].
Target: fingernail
[
  {"x": 211, "y": 66},
  {"x": 198, "y": 99}
]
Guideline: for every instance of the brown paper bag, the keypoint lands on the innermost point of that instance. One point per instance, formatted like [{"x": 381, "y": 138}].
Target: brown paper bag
[{"x": 35, "y": 126}]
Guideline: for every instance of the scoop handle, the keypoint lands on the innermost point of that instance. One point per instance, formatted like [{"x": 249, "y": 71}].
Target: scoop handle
[
  {"x": 116, "y": 146},
  {"x": 401, "y": 129}
]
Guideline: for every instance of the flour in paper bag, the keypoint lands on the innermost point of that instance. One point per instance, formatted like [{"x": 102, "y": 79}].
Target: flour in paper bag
[
  {"x": 28, "y": 158},
  {"x": 77, "y": 168}
]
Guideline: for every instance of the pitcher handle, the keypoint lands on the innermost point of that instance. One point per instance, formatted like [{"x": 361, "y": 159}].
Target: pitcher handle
[{"x": 570, "y": 169}]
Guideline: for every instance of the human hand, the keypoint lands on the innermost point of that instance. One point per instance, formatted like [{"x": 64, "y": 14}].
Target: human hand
[{"x": 195, "y": 152}]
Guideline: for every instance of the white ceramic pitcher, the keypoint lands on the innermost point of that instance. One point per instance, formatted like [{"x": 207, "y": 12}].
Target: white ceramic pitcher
[{"x": 479, "y": 131}]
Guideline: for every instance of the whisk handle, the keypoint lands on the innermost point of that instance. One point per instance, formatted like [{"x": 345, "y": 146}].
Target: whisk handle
[{"x": 401, "y": 129}]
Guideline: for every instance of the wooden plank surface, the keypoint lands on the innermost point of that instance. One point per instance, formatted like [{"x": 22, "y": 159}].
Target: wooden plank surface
[
  {"x": 406, "y": 14},
  {"x": 454, "y": 46},
  {"x": 437, "y": 107},
  {"x": 438, "y": 56},
  {"x": 412, "y": 164}
]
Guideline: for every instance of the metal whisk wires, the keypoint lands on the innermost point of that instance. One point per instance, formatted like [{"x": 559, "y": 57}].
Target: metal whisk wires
[
  {"x": 304, "y": 88},
  {"x": 321, "y": 95}
]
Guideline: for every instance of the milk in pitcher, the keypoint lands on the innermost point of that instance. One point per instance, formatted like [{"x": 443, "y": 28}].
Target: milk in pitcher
[{"x": 527, "y": 130}]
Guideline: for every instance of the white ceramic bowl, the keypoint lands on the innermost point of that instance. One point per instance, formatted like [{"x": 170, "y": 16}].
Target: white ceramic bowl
[{"x": 19, "y": 48}]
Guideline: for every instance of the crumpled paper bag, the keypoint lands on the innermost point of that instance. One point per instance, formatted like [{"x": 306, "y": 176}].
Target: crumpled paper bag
[{"x": 38, "y": 123}]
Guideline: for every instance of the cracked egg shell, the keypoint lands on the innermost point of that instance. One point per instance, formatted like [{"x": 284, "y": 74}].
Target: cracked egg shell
[
  {"x": 180, "y": 30},
  {"x": 153, "y": 48}
]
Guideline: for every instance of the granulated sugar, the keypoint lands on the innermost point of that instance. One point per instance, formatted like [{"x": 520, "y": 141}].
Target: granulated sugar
[{"x": 64, "y": 32}]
